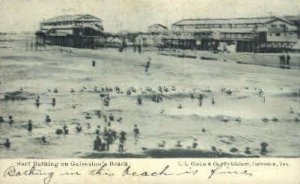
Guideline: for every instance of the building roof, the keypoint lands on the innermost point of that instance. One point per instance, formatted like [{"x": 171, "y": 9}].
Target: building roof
[
  {"x": 160, "y": 25},
  {"x": 255, "y": 20},
  {"x": 64, "y": 18},
  {"x": 293, "y": 18}
]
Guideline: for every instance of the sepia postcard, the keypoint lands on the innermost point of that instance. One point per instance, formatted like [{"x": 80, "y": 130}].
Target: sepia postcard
[{"x": 149, "y": 91}]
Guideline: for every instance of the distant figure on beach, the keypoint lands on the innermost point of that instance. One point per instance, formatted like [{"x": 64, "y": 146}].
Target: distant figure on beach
[
  {"x": 29, "y": 126},
  {"x": 97, "y": 143},
  {"x": 106, "y": 101},
  {"x": 287, "y": 60},
  {"x": 213, "y": 101},
  {"x": 281, "y": 61},
  {"x": 7, "y": 143},
  {"x": 99, "y": 113},
  {"x": 109, "y": 139},
  {"x": 284, "y": 61},
  {"x": 263, "y": 148},
  {"x": 139, "y": 100},
  {"x": 37, "y": 101},
  {"x": 111, "y": 117},
  {"x": 140, "y": 48},
  {"x": 48, "y": 119},
  {"x": 147, "y": 66},
  {"x": 78, "y": 128},
  {"x": 192, "y": 96},
  {"x": 134, "y": 47},
  {"x": 136, "y": 131},
  {"x": 88, "y": 116},
  {"x": 122, "y": 141},
  {"x": 59, "y": 131},
  {"x": 88, "y": 126},
  {"x": 120, "y": 119},
  {"x": 55, "y": 90},
  {"x": 195, "y": 144},
  {"x": 200, "y": 99},
  {"x": 94, "y": 63},
  {"x": 44, "y": 140},
  {"x": 213, "y": 148},
  {"x": 247, "y": 151},
  {"x": 98, "y": 130},
  {"x": 260, "y": 92},
  {"x": 53, "y": 101},
  {"x": 162, "y": 144},
  {"x": 1, "y": 119},
  {"x": 66, "y": 130}
]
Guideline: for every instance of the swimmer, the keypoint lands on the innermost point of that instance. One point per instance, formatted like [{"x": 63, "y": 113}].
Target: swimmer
[
  {"x": 47, "y": 120},
  {"x": 162, "y": 144},
  {"x": 66, "y": 130},
  {"x": 247, "y": 151},
  {"x": 195, "y": 144},
  {"x": 178, "y": 144}
]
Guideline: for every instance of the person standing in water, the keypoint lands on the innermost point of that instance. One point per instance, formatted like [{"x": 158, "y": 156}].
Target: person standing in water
[
  {"x": 97, "y": 143},
  {"x": 7, "y": 143},
  {"x": 200, "y": 99},
  {"x": 11, "y": 121},
  {"x": 263, "y": 148},
  {"x": 122, "y": 141},
  {"x": 29, "y": 126},
  {"x": 139, "y": 100},
  {"x": 136, "y": 131},
  {"x": 37, "y": 101},
  {"x": 66, "y": 130},
  {"x": 1, "y": 119},
  {"x": 53, "y": 102}
]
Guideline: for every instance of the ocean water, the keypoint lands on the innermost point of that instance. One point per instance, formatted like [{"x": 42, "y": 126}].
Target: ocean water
[{"x": 38, "y": 73}]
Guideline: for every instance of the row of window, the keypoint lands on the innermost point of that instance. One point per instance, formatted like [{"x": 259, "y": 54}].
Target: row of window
[
  {"x": 199, "y": 26},
  {"x": 66, "y": 23},
  {"x": 279, "y": 34}
]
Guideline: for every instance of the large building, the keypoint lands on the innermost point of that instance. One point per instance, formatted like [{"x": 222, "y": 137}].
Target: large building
[
  {"x": 262, "y": 34},
  {"x": 72, "y": 30}
]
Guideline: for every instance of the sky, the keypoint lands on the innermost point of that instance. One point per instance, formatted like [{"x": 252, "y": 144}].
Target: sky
[{"x": 136, "y": 15}]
